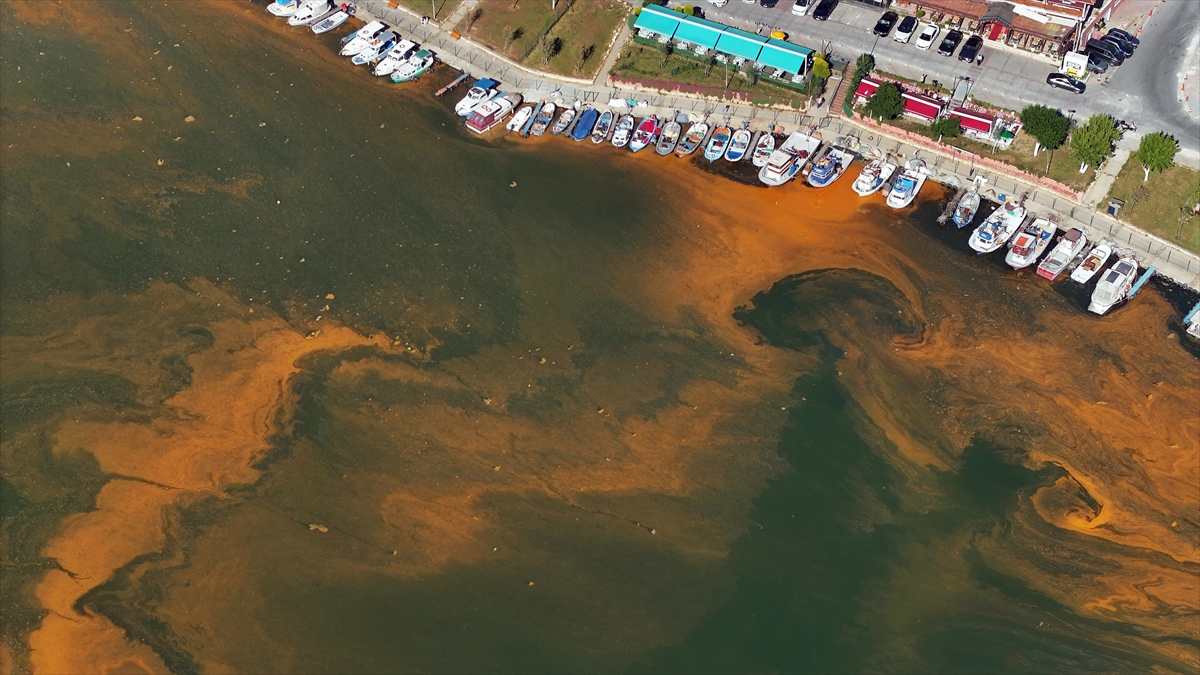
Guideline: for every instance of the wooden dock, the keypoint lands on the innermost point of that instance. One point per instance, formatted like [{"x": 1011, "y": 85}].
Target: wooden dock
[
  {"x": 950, "y": 206},
  {"x": 457, "y": 81}
]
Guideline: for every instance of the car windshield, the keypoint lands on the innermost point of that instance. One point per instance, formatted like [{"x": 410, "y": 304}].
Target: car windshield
[{"x": 929, "y": 33}]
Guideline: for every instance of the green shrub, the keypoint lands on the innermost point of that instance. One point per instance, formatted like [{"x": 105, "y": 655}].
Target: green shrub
[{"x": 947, "y": 127}]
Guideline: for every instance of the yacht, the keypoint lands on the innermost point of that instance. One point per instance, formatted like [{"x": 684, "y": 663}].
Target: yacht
[
  {"x": 361, "y": 39},
  {"x": 309, "y": 12},
  {"x": 490, "y": 113},
  {"x": 788, "y": 159},
  {"x": 415, "y": 66},
  {"x": 396, "y": 56},
  {"x": 1114, "y": 285},
  {"x": 873, "y": 176},
  {"x": 904, "y": 192},
  {"x": 482, "y": 90}
]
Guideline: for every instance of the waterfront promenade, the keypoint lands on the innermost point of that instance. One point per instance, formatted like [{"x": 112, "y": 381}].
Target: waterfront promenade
[{"x": 952, "y": 166}]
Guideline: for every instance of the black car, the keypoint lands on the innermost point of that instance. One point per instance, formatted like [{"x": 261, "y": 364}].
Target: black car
[
  {"x": 1064, "y": 82},
  {"x": 885, "y": 23},
  {"x": 824, "y": 9},
  {"x": 1106, "y": 50},
  {"x": 950, "y": 43},
  {"x": 1125, "y": 47},
  {"x": 971, "y": 49},
  {"x": 768, "y": 3},
  {"x": 1126, "y": 36}
]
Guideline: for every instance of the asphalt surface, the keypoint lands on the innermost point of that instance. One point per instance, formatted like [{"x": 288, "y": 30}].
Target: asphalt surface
[{"x": 1141, "y": 91}]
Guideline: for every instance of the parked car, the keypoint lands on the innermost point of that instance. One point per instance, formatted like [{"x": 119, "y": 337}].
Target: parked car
[
  {"x": 950, "y": 43},
  {"x": 718, "y": 3},
  {"x": 824, "y": 9},
  {"x": 1062, "y": 81},
  {"x": 1097, "y": 64},
  {"x": 1125, "y": 47},
  {"x": 801, "y": 7},
  {"x": 904, "y": 32},
  {"x": 1126, "y": 35},
  {"x": 927, "y": 36},
  {"x": 768, "y": 4},
  {"x": 885, "y": 23},
  {"x": 1107, "y": 50},
  {"x": 971, "y": 49}
]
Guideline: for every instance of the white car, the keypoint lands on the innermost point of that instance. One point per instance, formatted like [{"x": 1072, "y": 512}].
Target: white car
[
  {"x": 904, "y": 31},
  {"x": 801, "y": 7},
  {"x": 719, "y": 3},
  {"x": 927, "y": 36}
]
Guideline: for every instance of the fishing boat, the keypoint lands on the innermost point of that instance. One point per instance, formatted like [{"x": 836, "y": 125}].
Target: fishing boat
[
  {"x": 395, "y": 58},
  {"x": 739, "y": 143},
  {"x": 1029, "y": 243},
  {"x": 1068, "y": 247},
  {"x": 603, "y": 126},
  {"x": 646, "y": 133},
  {"x": 490, "y": 113},
  {"x": 520, "y": 118},
  {"x": 376, "y": 48},
  {"x": 788, "y": 159},
  {"x": 717, "y": 144},
  {"x": 563, "y": 121},
  {"x": 1092, "y": 263},
  {"x": 873, "y": 176},
  {"x": 669, "y": 138},
  {"x": 763, "y": 149},
  {"x": 361, "y": 39},
  {"x": 829, "y": 166},
  {"x": 908, "y": 185},
  {"x": 481, "y": 91},
  {"x": 542, "y": 121},
  {"x": 583, "y": 128},
  {"x": 330, "y": 22},
  {"x": 1114, "y": 285},
  {"x": 417, "y": 65},
  {"x": 310, "y": 11},
  {"x": 282, "y": 8},
  {"x": 965, "y": 210},
  {"x": 999, "y": 227},
  {"x": 692, "y": 139},
  {"x": 623, "y": 131}
]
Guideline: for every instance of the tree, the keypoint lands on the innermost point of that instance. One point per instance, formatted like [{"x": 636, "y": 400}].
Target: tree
[
  {"x": 945, "y": 127},
  {"x": 551, "y": 46},
  {"x": 747, "y": 69},
  {"x": 1139, "y": 194},
  {"x": 865, "y": 64},
  {"x": 1047, "y": 125},
  {"x": 820, "y": 68},
  {"x": 666, "y": 50},
  {"x": 473, "y": 17},
  {"x": 710, "y": 63},
  {"x": 511, "y": 36},
  {"x": 585, "y": 53},
  {"x": 1093, "y": 142},
  {"x": 1156, "y": 152},
  {"x": 886, "y": 102}
]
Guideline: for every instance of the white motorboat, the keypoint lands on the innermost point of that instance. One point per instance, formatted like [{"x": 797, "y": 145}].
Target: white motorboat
[
  {"x": 378, "y": 48},
  {"x": 282, "y": 8},
  {"x": 481, "y": 91},
  {"x": 624, "y": 130},
  {"x": 415, "y": 66},
  {"x": 904, "y": 192},
  {"x": 330, "y": 22},
  {"x": 966, "y": 208},
  {"x": 999, "y": 227},
  {"x": 542, "y": 121},
  {"x": 1068, "y": 247},
  {"x": 873, "y": 176},
  {"x": 396, "y": 56},
  {"x": 520, "y": 118},
  {"x": 829, "y": 167},
  {"x": 1092, "y": 263},
  {"x": 490, "y": 113},
  {"x": 788, "y": 159},
  {"x": 1114, "y": 285},
  {"x": 1030, "y": 242},
  {"x": 361, "y": 39},
  {"x": 763, "y": 149},
  {"x": 309, "y": 12}
]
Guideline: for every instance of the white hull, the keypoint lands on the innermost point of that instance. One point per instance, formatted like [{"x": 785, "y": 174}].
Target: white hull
[
  {"x": 363, "y": 38},
  {"x": 872, "y": 177},
  {"x": 763, "y": 149},
  {"x": 1114, "y": 286},
  {"x": 999, "y": 227},
  {"x": 1092, "y": 263},
  {"x": 788, "y": 159},
  {"x": 330, "y": 22},
  {"x": 899, "y": 199},
  {"x": 520, "y": 118},
  {"x": 309, "y": 13},
  {"x": 1030, "y": 243},
  {"x": 284, "y": 9}
]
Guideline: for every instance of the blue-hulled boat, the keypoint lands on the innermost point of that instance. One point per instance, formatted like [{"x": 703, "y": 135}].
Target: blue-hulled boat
[{"x": 583, "y": 128}]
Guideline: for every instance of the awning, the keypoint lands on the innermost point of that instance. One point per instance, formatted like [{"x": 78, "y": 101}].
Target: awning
[
  {"x": 696, "y": 31},
  {"x": 657, "y": 20},
  {"x": 974, "y": 121},
  {"x": 737, "y": 42},
  {"x": 784, "y": 55},
  {"x": 921, "y": 106}
]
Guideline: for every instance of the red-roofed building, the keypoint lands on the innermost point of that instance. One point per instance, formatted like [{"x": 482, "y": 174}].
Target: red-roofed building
[
  {"x": 921, "y": 107},
  {"x": 866, "y": 89},
  {"x": 974, "y": 123}
]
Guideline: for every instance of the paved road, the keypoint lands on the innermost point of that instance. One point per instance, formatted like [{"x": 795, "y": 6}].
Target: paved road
[{"x": 1141, "y": 91}]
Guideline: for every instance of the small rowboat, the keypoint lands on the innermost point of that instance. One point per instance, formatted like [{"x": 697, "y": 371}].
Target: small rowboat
[
  {"x": 762, "y": 149},
  {"x": 1092, "y": 263},
  {"x": 717, "y": 144},
  {"x": 543, "y": 119},
  {"x": 624, "y": 130},
  {"x": 739, "y": 143},
  {"x": 692, "y": 139},
  {"x": 603, "y": 126},
  {"x": 520, "y": 118},
  {"x": 330, "y": 22},
  {"x": 669, "y": 138},
  {"x": 564, "y": 120}
]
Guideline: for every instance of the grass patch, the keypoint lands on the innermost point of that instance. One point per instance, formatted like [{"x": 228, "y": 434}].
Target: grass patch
[
  {"x": 578, "y": 24},
  {"x": 442, "y": 8},
  {"x": 1159, "y": 212},
  {"x": 642, "y": 62}
]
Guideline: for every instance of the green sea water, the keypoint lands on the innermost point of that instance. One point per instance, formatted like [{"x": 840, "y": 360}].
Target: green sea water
[{"x": 295, "y": 182}]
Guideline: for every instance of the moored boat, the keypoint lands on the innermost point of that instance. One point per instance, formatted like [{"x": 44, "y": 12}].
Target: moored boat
[
  {"x": 965, "y": 210},
  {"x": 488, "y": 114},
  {"x": 1029, "y": 243},
  {"x": 361, "y": 39},
  {"x": 479, "y": 92},
  {"x": 1092, "y": 263},
  {"x": 583, "y": 128},
  {"x": 739, "y": 143},
  {"x": 763, "y": 149},
  {"x": 905, "y": 190},
  {"x": 1068, "y": 247},
  {"x": 829, "y": 166},
  {"x": 603, "y": 126},
  {"x": 282, "y": 8},
  {"x": 669, "y": 138},
  {"x": 692, "y": 139},
  {"x": 717, "y": 144},
  {"x": 998, "y": 228},
  {"x": 646, "y": 133},
  {"x": 396, "y": 56},
  {"x": 309, "y": 12},
  {"x": 873, "y": 176},
  {"x": 377, "y": 48},
  {"x": 415, "y": 66},
  {"x": 541, "y": 121},
  {"x": 1114, "y": 285},
  {"x": 518, "y": 120},
  {"x": 624, "y": 130},
  {"x": 788, "y": 159},
  {"x": 563, "y": 121},
  {"x": 330, "y": 22}
]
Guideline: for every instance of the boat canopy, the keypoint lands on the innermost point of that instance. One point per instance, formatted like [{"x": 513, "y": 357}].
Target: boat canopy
[
  {"x": 792, "y": 59},
  {"x": 736, "y": 42},
  {"x": 657, "y": 20}
]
